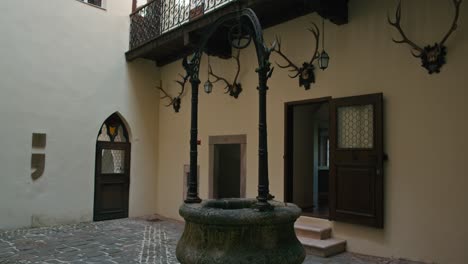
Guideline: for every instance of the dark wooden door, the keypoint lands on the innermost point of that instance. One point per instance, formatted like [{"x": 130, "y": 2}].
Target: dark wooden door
[
  {"x": 356, "y": 157},
  {"x": 112, "y": 180}
]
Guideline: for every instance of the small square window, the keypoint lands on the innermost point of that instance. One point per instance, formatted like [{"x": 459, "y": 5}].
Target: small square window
[
  {"x": 39, "y": 140},
  {"x": 95, "y": 2},
  {"x": 99, "y": 3}
]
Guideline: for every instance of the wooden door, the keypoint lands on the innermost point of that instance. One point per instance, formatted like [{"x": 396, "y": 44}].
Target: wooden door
[
  {"x": 356, "y": 157},
  {"x": 112, "y": 181},
  {"x": 112, "y": 174}
]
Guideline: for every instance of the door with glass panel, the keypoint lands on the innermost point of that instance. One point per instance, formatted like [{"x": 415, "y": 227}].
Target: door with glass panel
[
  {"x": 112, "y": 175},
  {"x": 356, "y": 160}
]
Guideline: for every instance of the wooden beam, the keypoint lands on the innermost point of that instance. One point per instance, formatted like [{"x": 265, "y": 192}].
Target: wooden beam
[{"x": 334, "y": 10}]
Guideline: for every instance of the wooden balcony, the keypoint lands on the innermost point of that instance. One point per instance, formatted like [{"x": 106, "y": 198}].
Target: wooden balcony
[{"x": 167, "y": 30}]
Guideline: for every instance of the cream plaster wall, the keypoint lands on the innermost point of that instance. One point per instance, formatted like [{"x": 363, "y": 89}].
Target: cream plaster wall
[
  {"x": 425, "y": 129},
  {"x": 63, "y": 72}
]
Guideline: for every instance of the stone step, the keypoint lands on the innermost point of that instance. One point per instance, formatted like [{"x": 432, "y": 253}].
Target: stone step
[
  {"x": 323, "y": 248},
  {"x": 314, "y": 221},
  {"x": 312, "y": 231}
]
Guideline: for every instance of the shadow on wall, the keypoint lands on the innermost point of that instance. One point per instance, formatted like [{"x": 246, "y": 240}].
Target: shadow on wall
[
  {"x": 143, "y": 77},
  {"x": 142, "y": 97}
]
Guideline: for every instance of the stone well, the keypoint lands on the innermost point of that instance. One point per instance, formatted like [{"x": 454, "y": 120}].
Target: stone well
[
  {"x": 230, "y": 231},
  {"x": 236, "y": 231}
]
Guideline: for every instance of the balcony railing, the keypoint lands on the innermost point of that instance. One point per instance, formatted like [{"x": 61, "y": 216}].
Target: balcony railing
[
  {"x": 165, "y": 31},
  {"x": 160, "y": 16}
]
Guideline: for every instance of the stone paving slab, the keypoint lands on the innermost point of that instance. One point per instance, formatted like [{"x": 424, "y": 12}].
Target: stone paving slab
[{"x": 127, "y": 241}]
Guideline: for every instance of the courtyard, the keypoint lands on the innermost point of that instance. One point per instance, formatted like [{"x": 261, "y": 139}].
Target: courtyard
[{"x": 139, "y": 240}]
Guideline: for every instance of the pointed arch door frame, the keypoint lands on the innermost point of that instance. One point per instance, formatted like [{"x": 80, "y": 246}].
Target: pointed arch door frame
[{"x": 112, "y": 171}]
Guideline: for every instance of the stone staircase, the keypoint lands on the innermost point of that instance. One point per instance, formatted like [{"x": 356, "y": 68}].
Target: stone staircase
[{"x": 317, "y": 239}]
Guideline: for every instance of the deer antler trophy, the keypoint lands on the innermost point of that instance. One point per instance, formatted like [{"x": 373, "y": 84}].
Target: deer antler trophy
[
  {"x": 306, "y": 72},
  {"x": 175, "y": 101},
  {"x": 432, "y": 57},
  {"x": 234, "y": 88}
]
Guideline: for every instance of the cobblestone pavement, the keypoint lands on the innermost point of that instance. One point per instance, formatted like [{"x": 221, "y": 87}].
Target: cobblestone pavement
[{"x": 120, "y": 241}]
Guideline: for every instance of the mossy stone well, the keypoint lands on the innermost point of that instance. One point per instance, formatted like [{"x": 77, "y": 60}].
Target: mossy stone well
[{"x": 231, "y": 231}]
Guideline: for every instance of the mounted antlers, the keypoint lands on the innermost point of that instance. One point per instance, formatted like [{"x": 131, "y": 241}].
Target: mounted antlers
[
  {"x": 175, "y": 101},
  {"x": 433, "y": 57},
  {"x": 306, "y": 72},
  {"x": 234, "y": 88}
]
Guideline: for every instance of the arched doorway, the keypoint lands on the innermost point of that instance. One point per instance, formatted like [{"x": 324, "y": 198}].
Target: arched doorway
[{"x": 112, "y": 175}]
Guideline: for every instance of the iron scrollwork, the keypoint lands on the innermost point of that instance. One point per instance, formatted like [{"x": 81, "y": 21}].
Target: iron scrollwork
[
  {"x": 160, "y": 16},
  {"x": 192, "y": 67}
]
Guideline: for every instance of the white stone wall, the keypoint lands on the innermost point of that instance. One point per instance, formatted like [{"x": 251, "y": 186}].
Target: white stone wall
[{"x": 63, "y": 72}]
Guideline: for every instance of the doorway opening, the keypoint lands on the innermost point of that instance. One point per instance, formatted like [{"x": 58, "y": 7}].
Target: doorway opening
[
  {"x": 307, "y": 158},
  {"x": 112, "y": 175},
  {"x": 227, "y": 166},
  {"x": 334, "y": 158}
]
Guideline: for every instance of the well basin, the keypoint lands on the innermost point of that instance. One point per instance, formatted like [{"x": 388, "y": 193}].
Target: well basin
[{"x": 230, "y": 231}]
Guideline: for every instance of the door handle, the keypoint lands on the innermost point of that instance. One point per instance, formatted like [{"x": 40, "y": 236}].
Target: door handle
[{"x": 385, "y": 157}]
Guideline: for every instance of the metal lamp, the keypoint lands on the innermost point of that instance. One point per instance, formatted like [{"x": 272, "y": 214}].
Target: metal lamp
[
  {"x": 208, "y": 84},
  {"x": 324, "y": 58}
]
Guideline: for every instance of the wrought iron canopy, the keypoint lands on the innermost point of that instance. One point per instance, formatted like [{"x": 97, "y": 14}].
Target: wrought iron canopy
[{"x": 248, "y": 22}]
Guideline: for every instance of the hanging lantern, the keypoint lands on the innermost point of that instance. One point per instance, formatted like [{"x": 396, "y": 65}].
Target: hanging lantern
[
  {"x": 208, "y": 86},
  {"x": 324, "y": 59}
]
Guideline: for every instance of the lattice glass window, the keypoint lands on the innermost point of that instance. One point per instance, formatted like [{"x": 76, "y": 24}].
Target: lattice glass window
[
  {"x": 120, "y": 135},
  {"x": 356, "y": 127},
  {"x": 103, "y": 136},
  {"x": 113, "y": 130},
  {"x": 113, "y": 161},
  {"x": 119, "y": 161}
]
